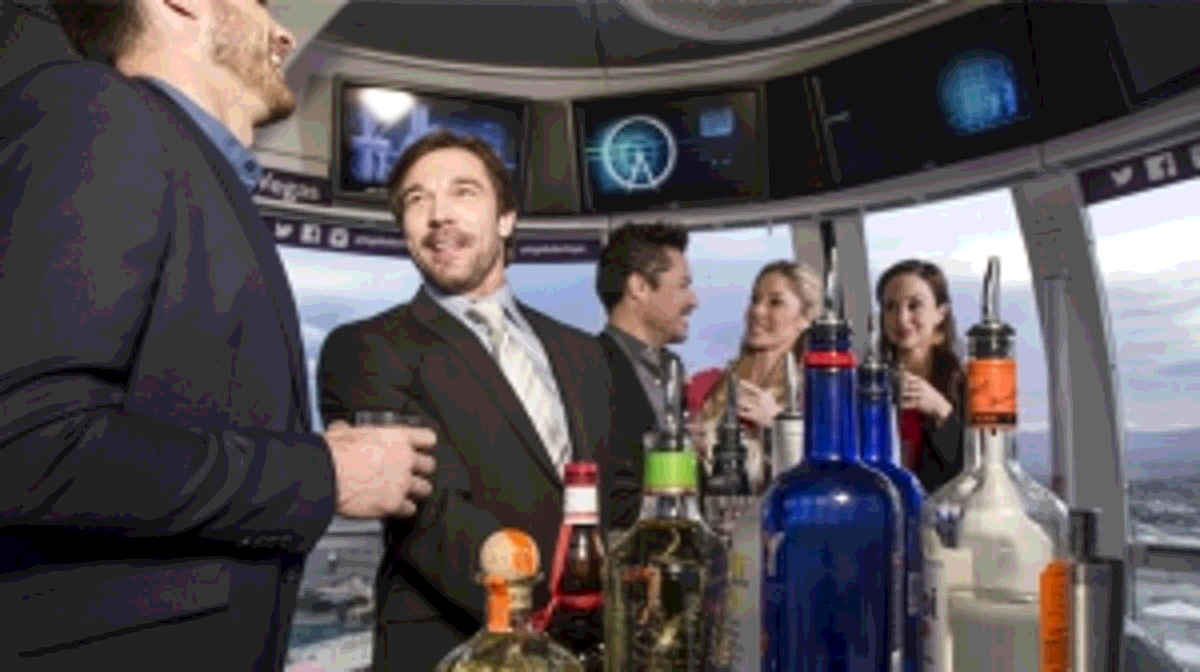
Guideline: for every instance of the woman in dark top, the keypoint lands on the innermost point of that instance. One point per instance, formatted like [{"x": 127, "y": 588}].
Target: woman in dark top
[{"x": 920, "y": 337}]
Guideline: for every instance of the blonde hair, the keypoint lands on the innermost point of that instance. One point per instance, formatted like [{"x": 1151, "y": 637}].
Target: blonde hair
[{"x": 806, "y": 286}]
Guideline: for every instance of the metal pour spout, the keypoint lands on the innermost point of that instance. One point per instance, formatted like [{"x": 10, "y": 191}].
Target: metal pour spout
[
  {"x": 991, "y": 291},
  {"x": 791, "y": 383},
  {"x": 833, "y": 308},
  {"x": 730, "y": 420}
]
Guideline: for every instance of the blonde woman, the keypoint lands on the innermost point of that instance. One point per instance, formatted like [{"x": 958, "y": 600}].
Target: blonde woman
[{"x": 785, "y": 299}]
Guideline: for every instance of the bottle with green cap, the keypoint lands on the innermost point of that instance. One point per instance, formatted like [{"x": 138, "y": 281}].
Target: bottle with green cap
[{"x": 665, "y": 589}]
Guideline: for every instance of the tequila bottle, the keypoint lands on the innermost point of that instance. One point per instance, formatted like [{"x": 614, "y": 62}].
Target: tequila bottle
[
  {"x": 509, "y": 642},
  {"x": 665, "y": 589},
  {"x": 832, "y": 526},
  {"x": 877, "y": 427},
  {"x": 575, "y": 615},
  {"x": 1005, "y": 582}
]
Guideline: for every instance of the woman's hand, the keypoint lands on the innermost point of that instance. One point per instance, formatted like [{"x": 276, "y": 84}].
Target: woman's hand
[
  {"x": 918, "y": 394},
  {"x": 756, "y": 405}
]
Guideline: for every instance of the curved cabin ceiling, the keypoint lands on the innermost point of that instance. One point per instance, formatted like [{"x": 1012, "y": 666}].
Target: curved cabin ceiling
[{"x": 611, "y": 35}]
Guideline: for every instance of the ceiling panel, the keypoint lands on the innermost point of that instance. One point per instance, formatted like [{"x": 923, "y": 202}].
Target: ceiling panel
[{"x": 552, "y": 33}]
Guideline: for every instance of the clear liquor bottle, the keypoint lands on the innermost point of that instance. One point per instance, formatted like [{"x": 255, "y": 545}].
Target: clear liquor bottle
[
  {"x": 832, "y": 526},
  {"x": 878, "y": 432},
  {"x": 509, "y": 642},
  {"x": 746, "y": 550},
  {"x": 996, "y": 557},
  {"x": 575, "y": 615},
  {"x": 666, "y": 577}
]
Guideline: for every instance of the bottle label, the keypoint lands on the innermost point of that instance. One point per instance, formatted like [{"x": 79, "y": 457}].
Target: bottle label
[
  {"x": 1054, "y": 617},
  {"x": 936, "y": 629},
  {"x": 992, "y": 392},
  {"x": 745, "y": 590},
  {"x": 945, "y": 569},
  {"x": 580, "y": 504}
]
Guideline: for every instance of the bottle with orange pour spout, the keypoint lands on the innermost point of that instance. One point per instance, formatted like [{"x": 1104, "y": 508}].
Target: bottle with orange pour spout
[{"x": 509, "y": 568}]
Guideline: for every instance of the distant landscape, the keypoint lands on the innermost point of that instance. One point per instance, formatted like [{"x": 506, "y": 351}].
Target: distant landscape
[{"x": 1148, "y": 455}]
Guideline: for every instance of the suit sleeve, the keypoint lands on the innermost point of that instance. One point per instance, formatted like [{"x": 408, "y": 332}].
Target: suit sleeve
[
  {"x": 360, "y": 368},
  {"x": 87, "y": 202}
]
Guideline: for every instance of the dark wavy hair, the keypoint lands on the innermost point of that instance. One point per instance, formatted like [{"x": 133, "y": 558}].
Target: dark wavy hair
[
  {"x": 100, "y": 30},
  {"x": 945, "y": 366},
  {"x": 636, "y": 248}
]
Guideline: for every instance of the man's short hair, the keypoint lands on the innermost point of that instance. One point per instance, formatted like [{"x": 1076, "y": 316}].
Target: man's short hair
[
  {"x": 506, "y": 200},
  {"x": 636, "y": 248},
  {"x": 100, "y": 30}
]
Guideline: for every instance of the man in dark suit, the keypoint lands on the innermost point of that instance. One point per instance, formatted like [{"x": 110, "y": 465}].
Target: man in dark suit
[
  {"x": 512, "y": 395},
  {"x": 159, "y": 484},
  {"x": 645, "y": 285}
]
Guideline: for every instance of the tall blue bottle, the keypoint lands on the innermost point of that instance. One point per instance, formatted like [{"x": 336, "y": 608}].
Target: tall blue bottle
[
  {"x": 877, "y": 431},
  {"x": 832, "y": 527}
]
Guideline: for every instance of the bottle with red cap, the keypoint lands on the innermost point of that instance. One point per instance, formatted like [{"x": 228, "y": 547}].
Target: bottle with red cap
[
  {"x": 575, "y": 617},
  {"x": 832, "y": 529}
]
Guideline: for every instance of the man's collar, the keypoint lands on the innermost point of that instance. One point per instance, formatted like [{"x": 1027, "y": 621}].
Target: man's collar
[
  {"x": 461, "y": 302},
  {"x": 651, "y": 355},
  {"x": 244, "y": 163}
]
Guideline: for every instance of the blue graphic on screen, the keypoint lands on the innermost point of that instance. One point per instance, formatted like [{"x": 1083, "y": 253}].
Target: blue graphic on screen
[
  {"x": 978, "y": 92},
  {"x": 638, "y": 152},
  {"x": 378, "y": 124},
  {"x": 642, "y": 153},
  {"x": 716, "y": 122}
]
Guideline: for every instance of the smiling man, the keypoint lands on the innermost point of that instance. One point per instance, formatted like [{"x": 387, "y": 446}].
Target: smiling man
[
  {"x": 512, "y": 394},
  {"x": 159, "y": 480},
  {"x": 645, "y": 284}
]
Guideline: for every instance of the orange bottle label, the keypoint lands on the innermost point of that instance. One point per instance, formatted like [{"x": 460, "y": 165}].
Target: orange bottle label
[
  {"x": 1054, "y": 609},
  {"x": 992, "y": 392}
]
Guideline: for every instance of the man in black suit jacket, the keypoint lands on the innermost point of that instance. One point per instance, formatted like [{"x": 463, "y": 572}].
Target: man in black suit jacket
[
  {"x": 159, "y": 484},
  {"x": 500, "y": 451},
  {"x": 645, "y": 285}
]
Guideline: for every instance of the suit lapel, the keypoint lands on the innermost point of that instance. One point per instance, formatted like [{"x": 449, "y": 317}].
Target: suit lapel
[
  {"x": 490, "y": 377},
  {"x": 265, "y": 254}
]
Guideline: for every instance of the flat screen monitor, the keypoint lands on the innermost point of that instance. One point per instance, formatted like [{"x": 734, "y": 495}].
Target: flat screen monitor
[
  {"x": 960, "y": 89},
  {"x": 1158, "y": 45},
  {"x": 671, "y": 151},
  {"x": 374, "y": 124}
]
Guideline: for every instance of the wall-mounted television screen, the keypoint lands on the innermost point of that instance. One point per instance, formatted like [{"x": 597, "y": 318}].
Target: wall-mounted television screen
[
  {"x": 1160, "y": 55},
  {"x": 957, "y": 90},
  {"x": 670, "y": 151},
  {"x": 374, "y": 124}
]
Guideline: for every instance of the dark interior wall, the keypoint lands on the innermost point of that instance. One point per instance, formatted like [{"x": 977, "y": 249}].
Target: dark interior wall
[{"x": 552, "y": 176}]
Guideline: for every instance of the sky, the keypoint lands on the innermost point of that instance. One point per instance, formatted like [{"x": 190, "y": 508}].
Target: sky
[{"x": 1147, "y": 246}]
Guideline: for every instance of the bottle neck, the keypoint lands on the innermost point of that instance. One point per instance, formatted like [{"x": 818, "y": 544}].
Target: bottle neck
[
  {"x": 673, "y": 504},
  {"x": 829, "y": 411},
  {"x": 875, "y": 430},
  {"x": 996, "y": 444},
  {"x": 509, "y": 606}
]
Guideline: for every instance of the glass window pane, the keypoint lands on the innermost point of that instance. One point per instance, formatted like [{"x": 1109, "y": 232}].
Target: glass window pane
[
  {"x": 723, "y": 264},
  {"x": 334, "y": 611},
  {"x": 959, "y": 235},
  {"x": 1146, "y": 249}
]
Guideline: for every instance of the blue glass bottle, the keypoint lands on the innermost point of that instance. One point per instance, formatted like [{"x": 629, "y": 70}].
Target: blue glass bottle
[
  {"x": 877, "y": 431},
  {"x": 832, "y": 535}
]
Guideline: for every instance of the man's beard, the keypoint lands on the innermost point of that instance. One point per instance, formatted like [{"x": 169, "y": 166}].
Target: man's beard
[
  {"x": 480, "y": 267},
  {"x": 238, "y": 47}
]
